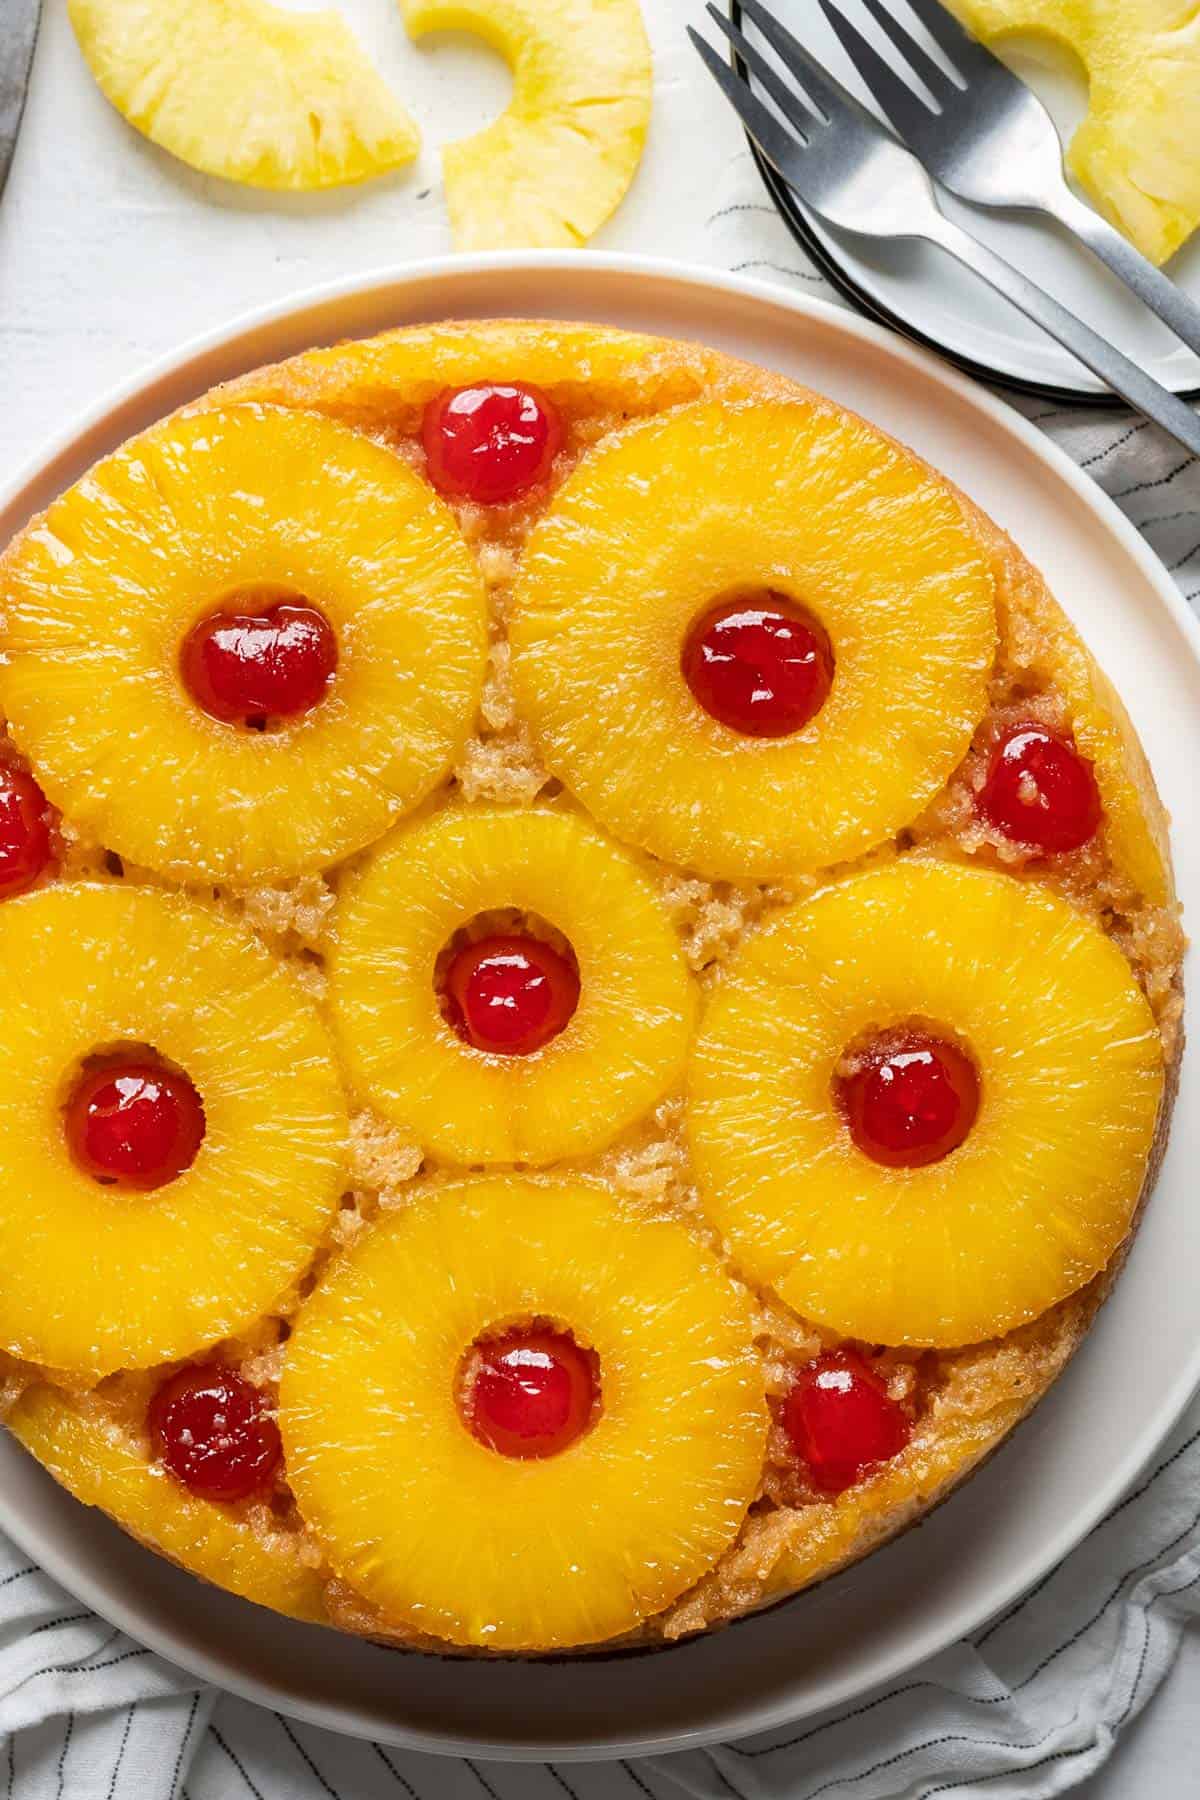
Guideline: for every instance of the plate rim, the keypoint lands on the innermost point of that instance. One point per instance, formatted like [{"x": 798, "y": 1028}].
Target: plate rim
[{"x": 103, "y": 416}]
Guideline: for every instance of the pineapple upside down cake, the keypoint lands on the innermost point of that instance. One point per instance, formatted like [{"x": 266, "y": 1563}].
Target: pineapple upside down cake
[{"x": 593, "y": 991}]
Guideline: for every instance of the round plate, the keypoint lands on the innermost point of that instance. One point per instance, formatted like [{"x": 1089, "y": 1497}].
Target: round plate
[
  {"x": 1063, "y": 1470},
  {"x": 930, "y": 298}
]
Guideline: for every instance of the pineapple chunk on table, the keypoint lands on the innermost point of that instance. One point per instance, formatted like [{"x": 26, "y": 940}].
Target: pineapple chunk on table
[
  {"x": 246, "y": 90},
  {"x": 559, "y": 159},
  {"x": 1137, "y": 151}
]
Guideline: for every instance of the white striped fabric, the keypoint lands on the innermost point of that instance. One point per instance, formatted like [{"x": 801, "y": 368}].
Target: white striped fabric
[{"x": 1029, "y": 1709}]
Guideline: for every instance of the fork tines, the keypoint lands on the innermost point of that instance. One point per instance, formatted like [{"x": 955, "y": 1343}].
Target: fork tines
[
  {"x": 799, "y": 115},
  {"x": 776, "y": 143},
  {"x": 890, "y": 90},
  {"x": 953, "y": 39}
]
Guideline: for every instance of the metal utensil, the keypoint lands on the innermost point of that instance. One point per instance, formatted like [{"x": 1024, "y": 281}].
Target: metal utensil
[
  {"x": 860, "y": 178},
  {"x": 18, "y": 34},
  {"x": 988, "y": 138}
]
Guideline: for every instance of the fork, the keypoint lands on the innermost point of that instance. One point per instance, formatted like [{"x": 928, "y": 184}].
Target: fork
[
  {"x": 989, "y": 139},
  {"x": 852, "y": 171}
]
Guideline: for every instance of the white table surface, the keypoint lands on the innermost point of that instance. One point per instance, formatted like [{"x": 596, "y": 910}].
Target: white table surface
[{"x": 111, "y": 254}]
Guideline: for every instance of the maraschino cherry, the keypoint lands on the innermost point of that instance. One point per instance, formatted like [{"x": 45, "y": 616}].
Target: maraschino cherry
[
  {"x": 841, "y": 1421},
  {"x": 532, "y": 1394},
  {"x": 1039, "y": 791},
  {"x": 509, "y": 994},
  {"x": 25, "y": 848},
  {"x": 909, "y": 1099},
  {"x": 760, "y": 664},
  {"x": 134, "y": 1123},
  {"x": 245, "y": 668},
  {"x": 211, "y": 1431},
  {"x": 490, "y": 442}
]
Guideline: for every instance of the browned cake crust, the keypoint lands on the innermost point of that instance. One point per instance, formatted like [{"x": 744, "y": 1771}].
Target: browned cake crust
[{"x": 964, "y": 1401}]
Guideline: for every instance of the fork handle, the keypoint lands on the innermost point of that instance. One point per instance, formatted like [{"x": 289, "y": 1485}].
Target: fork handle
[
  {"x": 1137, "y": 272},
  {"x": 1096, "y": 353}
]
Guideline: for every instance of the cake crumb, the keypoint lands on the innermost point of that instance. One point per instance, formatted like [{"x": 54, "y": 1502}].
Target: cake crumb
[
  {"x": 650, "y": 1167},
  {"x": 712, "y": 915},
  {"x": 503, "y": 769},
  {"x": 383, "y": 1160},
  {"x": 499, "y": 708},
  {"x": 290, "y": 918},
  {"x": 311, "y": 976}
]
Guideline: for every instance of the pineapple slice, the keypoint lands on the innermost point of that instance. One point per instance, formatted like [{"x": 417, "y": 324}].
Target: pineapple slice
[
  {"x": 103, "y": 1466},
  {"x": 558, "y": 160},
  {"x": 246, "y": 90},
  {"x": 680, "y": 511},
  {"x": 1042, "y": 1192},
  {"x": 1135, "y": 152},
  {"x": 100, "y": 593},
  {"x": 623, "y": 1048},
  {"x": 591, "y": 372},
  {"x": 447, "y": 1536},
  {"x": 99, "y": 1278}
]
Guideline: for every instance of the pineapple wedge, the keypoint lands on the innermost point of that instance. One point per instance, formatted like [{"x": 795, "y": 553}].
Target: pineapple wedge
[
  {"x": 557, "y": 161},
  {"x": 1136, "y": 151},
  {"x": 103, "y": 1466},
  {"x": 246, "y": 90}
]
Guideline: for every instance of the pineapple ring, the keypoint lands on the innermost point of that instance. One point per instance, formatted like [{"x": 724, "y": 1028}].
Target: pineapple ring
[
  {"x": 188, "y": 513},
  {"x": 445, "y": 1535},
  {"x": 1043, "y": 1191},
  {"x": 1134, "y": 151},
  {"x": 626, "y": 1042},
  {"x": 703, "y": 502},
  {"x": 98, "y": 1278},
  {"x": 100, "y": 1464},
  {"x": 246, "y": 90},
  {"x": 559, "y": 159}
]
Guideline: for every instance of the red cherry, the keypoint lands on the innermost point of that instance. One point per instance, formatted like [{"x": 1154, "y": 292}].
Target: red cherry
[
  {"x": 135, "y": 1124},
  {"x": 533, "y": 1393},
  {"x": 490, "y": 442},
  {"x": 910, "y": 1099},
  {"x": 1039, "y": 791},
  {"x": 24, "y": 831},
  {"x": 759, "y": 664},
  {"x": 840, "y": 1420},
  {"x": 510, "y": 995},
  {"x": 247, "y": 668},
  {"x": 208, "y": 1426}
]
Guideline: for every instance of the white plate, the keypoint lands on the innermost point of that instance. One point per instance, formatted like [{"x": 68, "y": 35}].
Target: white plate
[
  {"x": 1131, "y": 1380},
  {"x": 923, "y": 290}
]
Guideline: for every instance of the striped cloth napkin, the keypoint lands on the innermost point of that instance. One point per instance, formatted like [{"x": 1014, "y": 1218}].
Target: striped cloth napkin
[{"x": 1029, "y": 1708}]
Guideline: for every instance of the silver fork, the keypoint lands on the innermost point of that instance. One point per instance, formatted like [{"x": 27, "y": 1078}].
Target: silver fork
[
  {"x": 852, "y": 171},
  {"x": 989, "y": 139}
]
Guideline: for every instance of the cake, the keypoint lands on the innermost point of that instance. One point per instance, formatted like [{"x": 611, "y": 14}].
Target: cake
[{"x": 599, "y": 987}]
